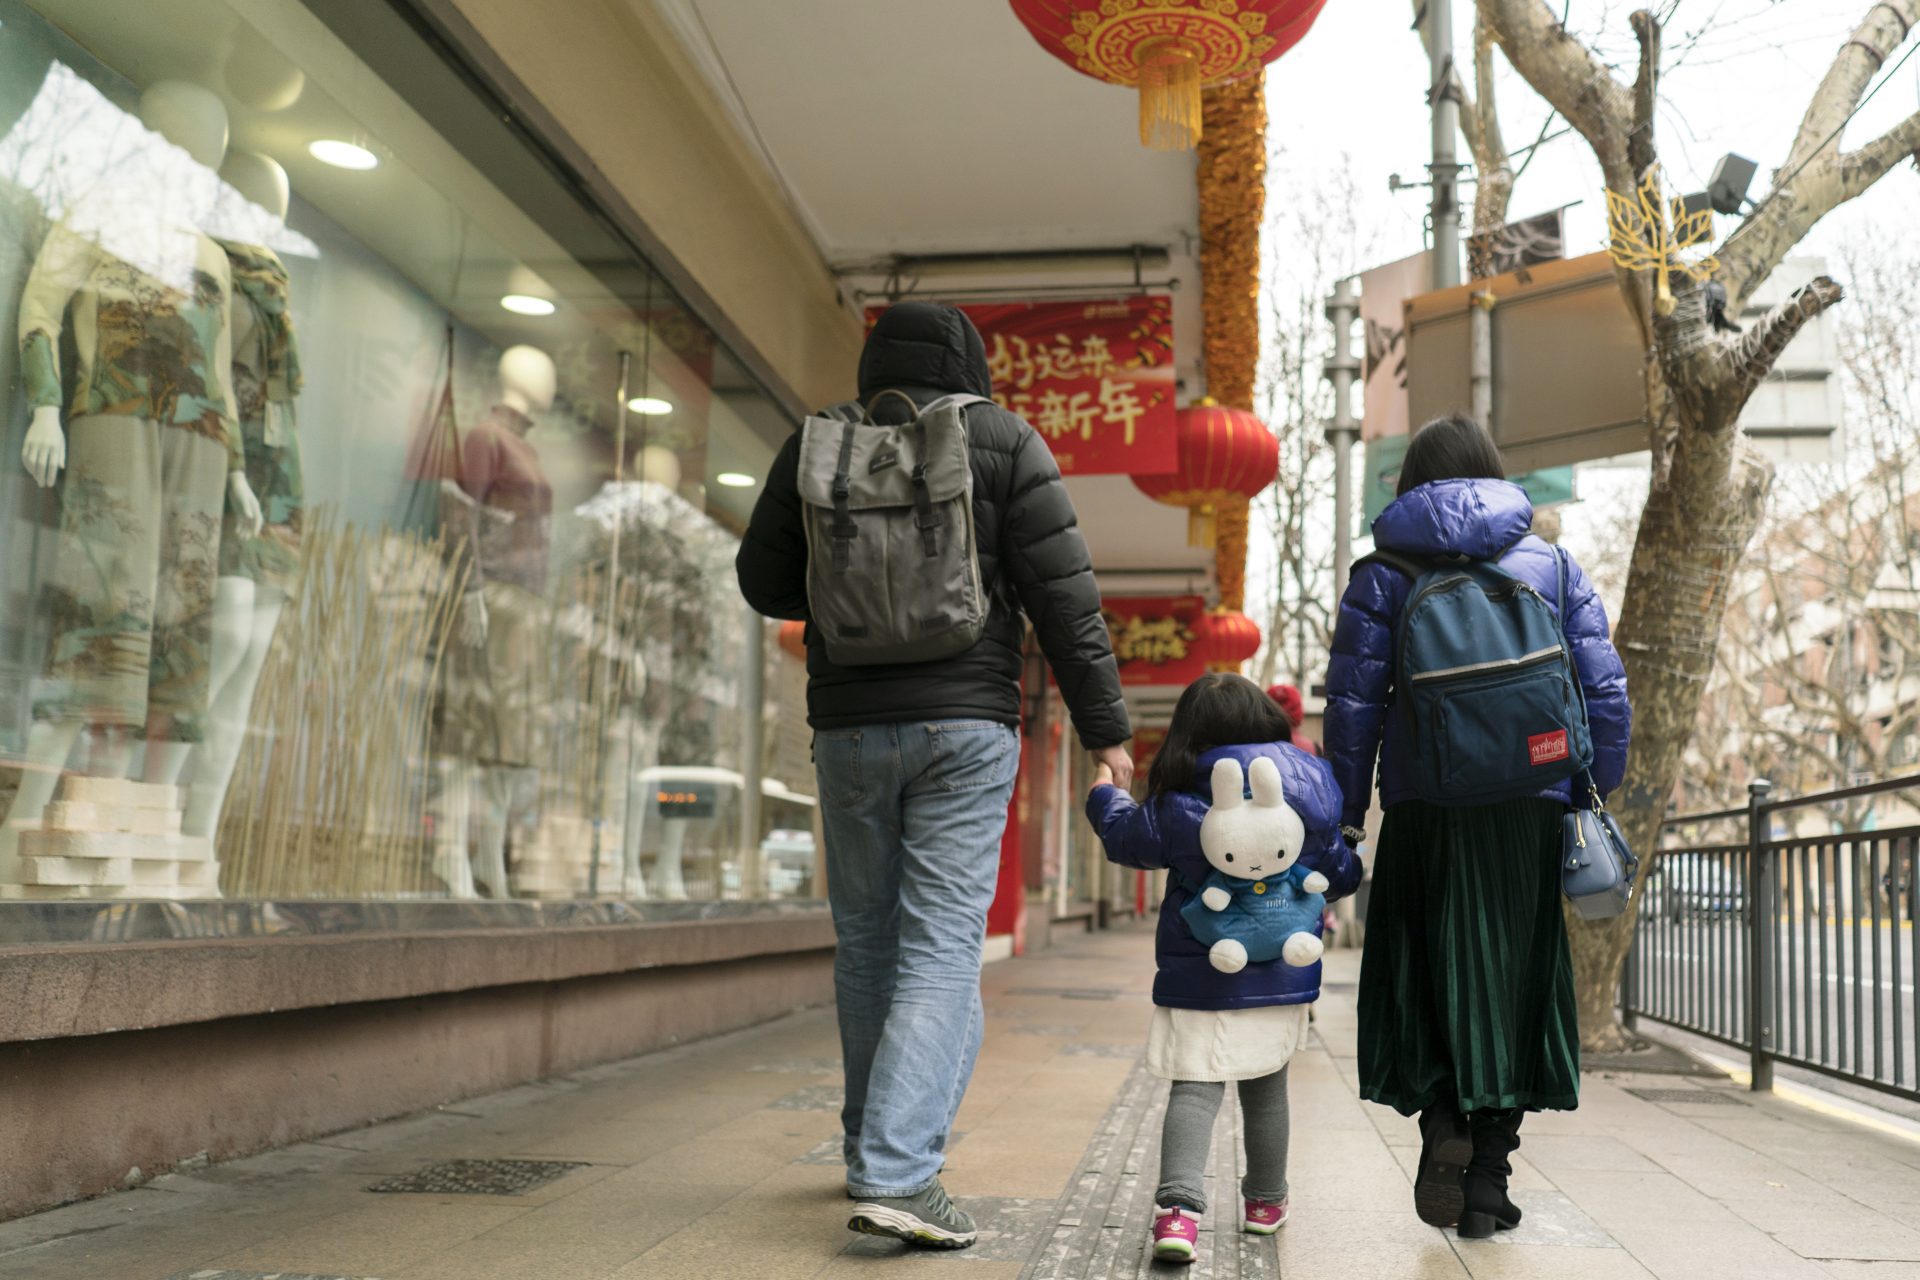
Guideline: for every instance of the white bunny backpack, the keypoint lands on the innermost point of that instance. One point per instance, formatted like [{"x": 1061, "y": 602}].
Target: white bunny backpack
[{"x": 1258, "y": 904}]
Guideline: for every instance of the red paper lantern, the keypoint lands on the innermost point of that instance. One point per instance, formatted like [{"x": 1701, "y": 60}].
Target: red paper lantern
[
  {"x": 793, "y": 638},
  {"x": 1168, "y": 49},
  {"x": 1226, "y": 456},
  {"x": 1225, "y": 639}
]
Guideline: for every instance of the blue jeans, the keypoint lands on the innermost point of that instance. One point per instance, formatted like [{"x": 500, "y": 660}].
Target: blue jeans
[{"x": 913, "y": 815}]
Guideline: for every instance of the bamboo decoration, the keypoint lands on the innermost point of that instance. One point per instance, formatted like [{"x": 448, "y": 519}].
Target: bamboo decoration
[{"x": 329, "y": 799}]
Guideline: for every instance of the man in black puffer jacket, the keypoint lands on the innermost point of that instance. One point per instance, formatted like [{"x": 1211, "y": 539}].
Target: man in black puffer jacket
[{"x": 916, "y": 765}]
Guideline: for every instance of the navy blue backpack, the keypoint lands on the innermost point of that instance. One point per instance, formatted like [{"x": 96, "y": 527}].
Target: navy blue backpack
[{"x": 1485, "y": 678}]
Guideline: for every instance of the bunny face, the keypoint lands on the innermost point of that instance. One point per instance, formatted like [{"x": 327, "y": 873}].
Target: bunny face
[{"x": 1250, "y": 839}]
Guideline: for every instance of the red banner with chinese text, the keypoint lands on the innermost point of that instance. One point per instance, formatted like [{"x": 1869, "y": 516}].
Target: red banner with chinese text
[
  {"x": 1153, "y": 638},
  {"x": 1094, "y": 378}
]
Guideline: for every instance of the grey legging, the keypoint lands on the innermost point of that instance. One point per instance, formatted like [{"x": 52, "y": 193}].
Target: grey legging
[{"x": 1187, "y": 1136}]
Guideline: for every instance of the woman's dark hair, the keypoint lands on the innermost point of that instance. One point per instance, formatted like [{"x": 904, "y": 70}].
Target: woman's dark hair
[
  {"x": 1450, "y": 448},
  {"x": 1217, "y": 710}
]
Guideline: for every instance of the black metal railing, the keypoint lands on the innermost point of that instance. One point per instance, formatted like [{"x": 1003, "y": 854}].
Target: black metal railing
[{"x": 1792, "y": 945}]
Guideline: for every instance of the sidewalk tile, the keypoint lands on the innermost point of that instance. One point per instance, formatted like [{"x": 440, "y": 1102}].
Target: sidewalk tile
[
  {"x": 1527, "y": 1262},
  {"x": 1366, "y": 1246}
]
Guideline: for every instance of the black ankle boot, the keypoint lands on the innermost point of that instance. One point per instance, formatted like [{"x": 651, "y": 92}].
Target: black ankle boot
[
  {"x": 1446, "y": 1148},
  {"x": 1487, "y": 1207}
]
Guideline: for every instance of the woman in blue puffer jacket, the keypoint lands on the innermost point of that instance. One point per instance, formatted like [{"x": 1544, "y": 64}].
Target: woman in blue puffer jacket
[
  {"x": 1241, "y": 1017},
  {"x": 1467, "y": 1013}
]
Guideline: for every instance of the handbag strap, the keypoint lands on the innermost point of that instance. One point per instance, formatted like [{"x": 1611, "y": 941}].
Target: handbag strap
[{"x": 1585, "y": 776}]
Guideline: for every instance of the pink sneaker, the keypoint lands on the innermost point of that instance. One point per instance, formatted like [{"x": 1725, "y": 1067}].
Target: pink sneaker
[
  {"x": 1175, "y": 1235},
  {"x": 1263, "y": 1218}
]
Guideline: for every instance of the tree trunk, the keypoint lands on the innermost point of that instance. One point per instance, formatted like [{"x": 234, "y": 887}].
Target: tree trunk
[{"x": 1692, "y": 536}]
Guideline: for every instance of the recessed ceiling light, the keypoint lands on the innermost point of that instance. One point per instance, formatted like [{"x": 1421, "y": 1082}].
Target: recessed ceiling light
[
  {"x": 526, "y": 304},
  {"x": 342, "y": 155},
  {"x": 649, "y": 405},
  {"x": 736, "y": 480}
]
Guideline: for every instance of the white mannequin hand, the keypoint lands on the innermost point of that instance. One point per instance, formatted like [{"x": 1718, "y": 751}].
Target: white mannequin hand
[
  {"x": 1216, "y": 899},
  {"x": 1314, "y": 883},
  {"x": 45, "y": 451},
  {"x": 245, "y": 506},
  {"x": 473, "y": 620}
]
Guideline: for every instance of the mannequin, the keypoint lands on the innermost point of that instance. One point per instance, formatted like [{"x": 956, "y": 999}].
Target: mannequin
[
  {"x": 152, "y": 461},
  {"x": 504, "y": 623},
  {"x": 256, "y": 572}
]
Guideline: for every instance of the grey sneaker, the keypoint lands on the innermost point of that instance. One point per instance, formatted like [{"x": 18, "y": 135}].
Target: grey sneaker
[{"x": 929, "y": 1219}]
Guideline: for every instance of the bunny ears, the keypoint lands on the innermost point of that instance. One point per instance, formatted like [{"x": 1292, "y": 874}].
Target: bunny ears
[{"x": 1230, "y": 787}]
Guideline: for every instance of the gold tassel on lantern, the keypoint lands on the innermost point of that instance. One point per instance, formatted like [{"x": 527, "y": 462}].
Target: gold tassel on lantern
[
  {"x": 1170, "y": 115},
  {"x": 1200, "y": 525}
]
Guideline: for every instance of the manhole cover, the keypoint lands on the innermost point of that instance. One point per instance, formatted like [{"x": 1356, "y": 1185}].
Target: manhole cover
[
  {"x": 1707, "y": 1097},
  {"x": 1067, "y": 993},
  {"x": 479, "y": 1177},
  {"x": 250, "y": 1275}
]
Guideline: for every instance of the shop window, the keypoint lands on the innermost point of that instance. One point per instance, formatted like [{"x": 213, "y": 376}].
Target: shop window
[{"x": 357, "y": 538}]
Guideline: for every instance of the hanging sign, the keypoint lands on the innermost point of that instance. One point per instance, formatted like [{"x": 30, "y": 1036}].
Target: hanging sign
[
  {"x": 1153, "y": 638},
  {"x": 1095, "y": 379}
]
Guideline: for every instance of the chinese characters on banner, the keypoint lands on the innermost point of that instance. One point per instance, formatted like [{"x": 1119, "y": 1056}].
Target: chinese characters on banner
[
  {"x": 1153, "y": 638},
  {"x": 1094, "y": 378}
]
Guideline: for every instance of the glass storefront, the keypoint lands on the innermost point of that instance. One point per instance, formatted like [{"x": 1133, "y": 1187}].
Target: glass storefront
[{"x": 359, "y": 538}]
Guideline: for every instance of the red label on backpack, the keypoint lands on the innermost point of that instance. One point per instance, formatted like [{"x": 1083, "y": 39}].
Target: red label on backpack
[{"x": 1546, "y": 748}]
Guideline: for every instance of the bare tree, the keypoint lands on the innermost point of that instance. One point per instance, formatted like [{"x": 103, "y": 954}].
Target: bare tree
[
  {"x": 1818, "y": 677},
  {"x": 1314, "y": 241},
  {"x": 1708, "y": 488}
]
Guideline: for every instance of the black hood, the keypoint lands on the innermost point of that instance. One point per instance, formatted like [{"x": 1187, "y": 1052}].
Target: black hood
[{"x": 927, "y": 346}]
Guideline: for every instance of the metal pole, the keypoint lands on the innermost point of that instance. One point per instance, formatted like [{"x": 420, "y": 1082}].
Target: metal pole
[
  {"x": 753, "y": 700},
  {"x": 1445, "y": 169},
  {"x": 1760, "y": 940},
  {"x": 1480, "y": 348},
  {"x": 1630, "y": 969},
  {"x": 1343, "y": 306},
  {"x": 609, "y": 694}
]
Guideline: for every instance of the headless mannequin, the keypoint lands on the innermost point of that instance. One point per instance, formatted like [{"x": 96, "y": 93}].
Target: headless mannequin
[
  {"x": 193, "y": 119},
  {"x": 245, "y": 612},
  {"x": 497, "y": 793}
]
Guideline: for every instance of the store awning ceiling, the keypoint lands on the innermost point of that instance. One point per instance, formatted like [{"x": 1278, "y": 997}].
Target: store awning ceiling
[{"x": 925, "y": 127}]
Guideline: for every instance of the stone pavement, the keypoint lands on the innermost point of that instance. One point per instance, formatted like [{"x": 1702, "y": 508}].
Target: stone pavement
[{"x": 720, "y": 1159}]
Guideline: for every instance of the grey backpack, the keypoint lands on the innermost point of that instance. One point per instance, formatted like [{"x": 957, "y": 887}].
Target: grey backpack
[{"x": 893, "y": 574}]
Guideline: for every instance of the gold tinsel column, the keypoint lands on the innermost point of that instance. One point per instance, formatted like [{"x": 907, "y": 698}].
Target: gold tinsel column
[{"x": 1233, "y": 197}]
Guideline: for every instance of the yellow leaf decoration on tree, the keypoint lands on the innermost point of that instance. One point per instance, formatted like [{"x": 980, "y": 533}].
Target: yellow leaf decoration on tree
[{"x": 1641, "y": 239}]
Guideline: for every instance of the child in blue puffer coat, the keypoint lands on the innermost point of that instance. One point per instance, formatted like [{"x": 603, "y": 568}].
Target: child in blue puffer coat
[{"x": 1248, "y": 828}]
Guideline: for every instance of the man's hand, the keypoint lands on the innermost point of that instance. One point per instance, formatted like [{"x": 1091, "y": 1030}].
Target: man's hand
[{"x": 1113, "y": 765}]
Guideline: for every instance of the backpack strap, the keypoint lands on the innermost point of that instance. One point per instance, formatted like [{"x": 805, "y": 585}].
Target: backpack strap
[
  {"x": 843, "y": 530},
  {"x": 1409, "y": 565},
  {"x": 925, "y": 518}
]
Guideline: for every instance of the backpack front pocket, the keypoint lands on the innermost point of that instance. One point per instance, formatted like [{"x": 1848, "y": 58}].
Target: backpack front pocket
[{"x": 1498, "y": 730}]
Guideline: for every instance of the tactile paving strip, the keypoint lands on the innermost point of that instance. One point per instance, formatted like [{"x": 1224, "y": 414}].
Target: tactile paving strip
[
  {"x": 478, "y": 1178},
  {"x": 1100, "y": 1227},
  {"x": 1708, "y": 1097}
]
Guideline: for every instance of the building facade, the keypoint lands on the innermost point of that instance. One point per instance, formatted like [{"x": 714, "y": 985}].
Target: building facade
[{"x": 391, "y": 381}]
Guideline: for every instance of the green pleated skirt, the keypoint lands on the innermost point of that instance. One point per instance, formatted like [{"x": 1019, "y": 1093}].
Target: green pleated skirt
[{"x": 1466, "y": 985}]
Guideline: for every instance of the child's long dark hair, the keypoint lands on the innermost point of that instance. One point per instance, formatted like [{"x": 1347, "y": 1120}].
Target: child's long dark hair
[{"x": 1215, "y": 711}]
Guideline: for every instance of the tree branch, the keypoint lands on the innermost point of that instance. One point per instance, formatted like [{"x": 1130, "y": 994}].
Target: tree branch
[
  {"x": 1817, "y": 178},
  {"x": 1886, "y": 25},
  {"x": 1861, "y": 169},
  {"x": 1641, "y": 153},
  {"x": 1495, "y": 189},
  {"x": 1754, "y": 354},
  {"x": 1570, "y": 78}
]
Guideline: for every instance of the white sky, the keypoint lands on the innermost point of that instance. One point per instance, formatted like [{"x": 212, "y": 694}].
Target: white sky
[{"x": 1353, "y": 93}]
